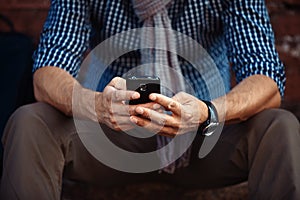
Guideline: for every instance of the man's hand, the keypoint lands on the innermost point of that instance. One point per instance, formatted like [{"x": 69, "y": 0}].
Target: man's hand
[
  {"x": 187, "y": 113},
  {"x": 111, "y": 107},
  {"x": 58, "y": 88}
]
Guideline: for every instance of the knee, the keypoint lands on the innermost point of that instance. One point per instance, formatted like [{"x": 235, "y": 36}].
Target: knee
[
  {"x": 277, "y": 125},
  {"x": 24, "y": 124},
  {"x": 283, "y": 120}
]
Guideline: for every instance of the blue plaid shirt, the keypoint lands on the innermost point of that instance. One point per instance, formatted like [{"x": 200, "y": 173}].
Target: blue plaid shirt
[{"x": 235, "y": 33}]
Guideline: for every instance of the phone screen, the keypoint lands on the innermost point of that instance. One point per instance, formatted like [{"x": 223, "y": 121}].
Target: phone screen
[{"x": 143, "y": 85}]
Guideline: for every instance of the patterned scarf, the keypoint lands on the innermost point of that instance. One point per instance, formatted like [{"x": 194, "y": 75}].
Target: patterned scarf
[{"x": 153, "y": 13}]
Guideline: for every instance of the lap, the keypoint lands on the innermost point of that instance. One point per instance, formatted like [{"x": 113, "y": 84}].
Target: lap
[
  {"x": 226, "y": 164},
  {"x": 230, "y": 160},
  {"x": 62, "y": 131}
]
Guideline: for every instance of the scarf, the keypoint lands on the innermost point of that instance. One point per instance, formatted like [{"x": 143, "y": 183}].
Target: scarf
[{"x": 165, "y": 65}]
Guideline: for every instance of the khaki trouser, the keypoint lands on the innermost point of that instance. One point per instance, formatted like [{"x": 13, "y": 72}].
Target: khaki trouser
[{"x": 41, "y": 147}]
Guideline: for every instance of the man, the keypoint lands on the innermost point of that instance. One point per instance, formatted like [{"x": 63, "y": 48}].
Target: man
[{"x": 261, "y": 144}]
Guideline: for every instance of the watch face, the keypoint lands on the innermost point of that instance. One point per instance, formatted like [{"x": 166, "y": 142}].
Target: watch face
[
  {"x": 210, "y": 129},
  {"x": 212, "y": 122}
]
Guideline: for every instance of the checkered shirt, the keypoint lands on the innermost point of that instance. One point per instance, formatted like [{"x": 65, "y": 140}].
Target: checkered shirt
[{"x": 235, "y": 33}]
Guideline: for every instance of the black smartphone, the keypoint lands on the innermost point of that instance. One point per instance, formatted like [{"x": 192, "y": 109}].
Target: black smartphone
[{"x": 145, "y": 85}]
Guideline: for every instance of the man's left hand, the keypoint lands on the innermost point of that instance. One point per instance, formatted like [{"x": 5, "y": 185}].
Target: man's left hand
[{"x": 186, "y": 113}]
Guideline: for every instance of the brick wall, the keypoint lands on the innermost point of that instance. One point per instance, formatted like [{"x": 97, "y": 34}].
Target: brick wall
[
  {"x": 29, "y": 15},
  {"x": 285, "y": 15}
]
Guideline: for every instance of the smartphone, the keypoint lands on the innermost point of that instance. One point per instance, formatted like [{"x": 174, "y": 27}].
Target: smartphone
[{"x": 145, "y": 85}]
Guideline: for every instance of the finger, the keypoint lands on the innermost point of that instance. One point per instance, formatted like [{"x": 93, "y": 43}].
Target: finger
[
  {"x": 132, "y": 109},
  {"x": 119, "y": 108},
  {"x": 124, "y": 95},
  {"x": 119, "y": 123},
  {"x": 168, "y": 131},
  {"x": 154, "y": 106},
  {"x": 122, "y": 109},
  {"x": 158, "y": 117},
  {"x": 150, "y": 105},
  {"x": 168, "y": 103},
  {"x": 118, "y": 83},
  {"x": 146, "y": 123},
  {"x": 154, "y": 127}
]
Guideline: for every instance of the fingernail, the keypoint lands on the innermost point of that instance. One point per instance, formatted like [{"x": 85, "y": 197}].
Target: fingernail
[
  {"x": 188, "y": 116},
  {"x": 139, "y": 110},
  {"x": 152, "y": 97},
  {"x": 133, "y": 119},
  {"x": 135, "y": 95},
  {"x": 156, "y": 106},
  {"x": 171, "y": 105}
]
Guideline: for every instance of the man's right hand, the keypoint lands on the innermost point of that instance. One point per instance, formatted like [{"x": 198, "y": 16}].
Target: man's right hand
[
  {"x": 58, "y": 88},
  {"x": 111, "y": 108}
]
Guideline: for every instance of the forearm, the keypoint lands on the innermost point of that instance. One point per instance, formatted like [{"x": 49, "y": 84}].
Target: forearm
[
  {"x": 249, "y": 97},
  {"x": 55, "y": 87}
]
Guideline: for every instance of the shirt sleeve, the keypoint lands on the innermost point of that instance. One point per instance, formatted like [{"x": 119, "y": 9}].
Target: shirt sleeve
[
  {"x": 250, "y": 41},
  {"x": 65, "y": 36}
]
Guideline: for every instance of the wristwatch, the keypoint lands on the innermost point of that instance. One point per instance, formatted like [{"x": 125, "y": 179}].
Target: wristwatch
[{"x": 209, "y": 126}]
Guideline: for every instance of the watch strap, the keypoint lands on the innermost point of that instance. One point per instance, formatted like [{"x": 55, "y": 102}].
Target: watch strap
[{"x": 209, "y": 126}]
